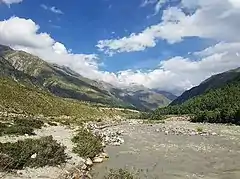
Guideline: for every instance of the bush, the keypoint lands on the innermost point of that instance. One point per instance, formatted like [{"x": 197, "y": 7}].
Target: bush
[
  {"x": 20, "y": 154},
  {"x": 87, "y": 144},
  {"x": 20, "y": 127},
  {"x": 36, "y": 124},
  {"x": 199, "y": 129},
  {"x": 17, "y": 130},
  {"x": 120, "y": 174}
]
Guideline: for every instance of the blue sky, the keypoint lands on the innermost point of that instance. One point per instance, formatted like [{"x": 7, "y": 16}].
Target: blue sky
[{"x": 163, "y": 31}]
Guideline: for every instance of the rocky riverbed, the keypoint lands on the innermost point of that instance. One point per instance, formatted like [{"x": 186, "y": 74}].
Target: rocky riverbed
[{"x": 173, "y": 150}]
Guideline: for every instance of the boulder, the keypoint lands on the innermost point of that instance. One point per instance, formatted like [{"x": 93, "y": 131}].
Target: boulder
[
  {"x": 97, "y": 160},
  {"x": 89, "y": 162}
]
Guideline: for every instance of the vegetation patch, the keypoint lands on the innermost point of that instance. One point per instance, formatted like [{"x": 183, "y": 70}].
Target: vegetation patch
[
  {"x": 121, "y": 174},
  {"x": 199, "y": 129},
  {"x": 36, "y": 124},
  {"x": 87, "y": 144},
  {"x": 31, "y": 153},
  {"x": 221, "y": 105},
  {"x": 20, "y": 127}
]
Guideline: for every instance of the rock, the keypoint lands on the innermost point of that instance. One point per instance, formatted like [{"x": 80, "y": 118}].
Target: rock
[
  {"x": 104, "y": 155},
  {"x": 89, "y": 162},
  {"x": 89, "y": 176},
  {"x": 84, "y": 167},
  {"x": 214, "y": 133},
  {"x": 166, "y": 132},
  {"x": 116, "y": 144},
  {"x": 97, "y": 160},
  {"x": 34, "y": 156},
  {"x": 193, "y": 133},
  {"x": 103, "y": 144},
  {"x": 157, "y": 130},
  {"x": 19, "y": 172}
]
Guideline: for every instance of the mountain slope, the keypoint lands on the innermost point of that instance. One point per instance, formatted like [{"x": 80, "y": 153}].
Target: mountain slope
[
  {"x": 142, "y": 98},
  {"x": 218, "y": 104},
  {"x": 18, "y": 98},
  {"x": 60, "y": 81},
  {"x": 213, "y": 82},
  {"x": 64, "y": 82}
]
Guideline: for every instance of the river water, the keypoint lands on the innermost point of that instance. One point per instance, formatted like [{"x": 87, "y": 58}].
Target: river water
[{"x": 172, "y": 156}]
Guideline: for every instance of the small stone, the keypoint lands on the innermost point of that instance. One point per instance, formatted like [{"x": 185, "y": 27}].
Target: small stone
[
  {"x": 214, "y": 133},
  {"x": 157, "y": 130},
  {"x": 116, "y": 144},
  {"x": 89, "y": 162},
  {"x": 97, "y": 160},
  {"x": 89, "y": 176},
  {"x": 193, "y": 133},
  {"x": 166, "y": 132},
  {"x": 19, "y": 172},
  {"x": 84, "y": 167},
  {"x": 34, "y": 156},
  {"x": 103, "y": 144},
  {"x": 104, "y": 155}
]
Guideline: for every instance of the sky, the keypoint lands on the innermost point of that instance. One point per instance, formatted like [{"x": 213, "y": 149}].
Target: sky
[{"x": 170, "y": 45}]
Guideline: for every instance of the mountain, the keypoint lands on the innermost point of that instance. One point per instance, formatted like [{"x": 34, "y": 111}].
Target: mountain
[
  {"x": 61, "y": 81},
  {"x": 213, "y": 82},
  {"x": 168, "y": 95},
  {"x": 142, "y": 97},
  {"x": 64, "y": 82},
  {"x": 217, "y": 100}
]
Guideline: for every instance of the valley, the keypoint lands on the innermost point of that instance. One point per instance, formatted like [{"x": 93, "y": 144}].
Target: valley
[{"x": 55, "y": 123}]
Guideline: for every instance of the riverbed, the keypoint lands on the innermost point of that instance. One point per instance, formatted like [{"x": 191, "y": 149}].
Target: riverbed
[{"x": 175, "y": 150}]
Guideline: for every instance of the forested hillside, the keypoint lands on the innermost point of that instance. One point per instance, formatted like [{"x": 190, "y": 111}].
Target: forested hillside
[{"x": 218, "y": 105}]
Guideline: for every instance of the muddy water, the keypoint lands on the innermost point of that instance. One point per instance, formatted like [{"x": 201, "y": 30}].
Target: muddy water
[{"x": 176, "y": 156}]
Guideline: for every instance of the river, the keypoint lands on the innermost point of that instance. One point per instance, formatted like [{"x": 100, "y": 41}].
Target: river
[{"x": 157, "y": 151}]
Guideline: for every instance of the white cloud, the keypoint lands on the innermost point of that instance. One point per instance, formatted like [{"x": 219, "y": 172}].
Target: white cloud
[
  {"x": 23, "y": 34},
  {"x": 178, "y": 73},
  {"x": 52, "y": 9},
  {"x": 158, "y": 4},
  {"x": 209, "y": 20},
  {"x": 213, "y": 19},
  {"x": 19, "y": 31},
  {"x": 9, "y": 2}
]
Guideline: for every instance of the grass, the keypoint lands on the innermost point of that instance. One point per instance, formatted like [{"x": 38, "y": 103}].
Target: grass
[
  {"x": 20, "y": 127},
  {"x": 16, "y": 98},
  {"x": 87, "y": 144},
  {"x": 121, "y": 174},
  {"x": 199, "y": 129},
  {"x": 20, "y": 154}
]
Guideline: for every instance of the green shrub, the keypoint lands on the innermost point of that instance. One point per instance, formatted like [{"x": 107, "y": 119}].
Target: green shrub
[
  {"x": 19, "y": 154},
  {"x": 17, "y": 130},
  {"x": 120, "y": 174},
  {"x": 36, "y": 124},
  {"x": 199, "y": 129},
  {"x": 87, "y": 144},
  {"x": 20, "y": 127}
]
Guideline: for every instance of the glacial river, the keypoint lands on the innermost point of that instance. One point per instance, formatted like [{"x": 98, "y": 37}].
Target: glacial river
[{"x": 170, "y": 156}]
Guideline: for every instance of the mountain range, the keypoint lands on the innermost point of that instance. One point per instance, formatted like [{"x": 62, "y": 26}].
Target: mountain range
[{"x": 63, "y": 82}]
